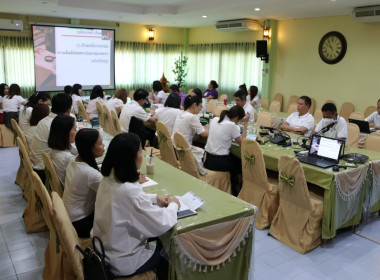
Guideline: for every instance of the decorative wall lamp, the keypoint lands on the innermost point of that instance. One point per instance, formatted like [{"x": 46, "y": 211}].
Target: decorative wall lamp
[
  {"x": 266, "y": 33},
  {"x": 151, "y": 34}
]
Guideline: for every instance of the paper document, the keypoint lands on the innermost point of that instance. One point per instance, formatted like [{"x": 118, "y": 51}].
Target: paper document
[
  {"x": 189, "y": 203},
  {"x": 148, "y": 183}
]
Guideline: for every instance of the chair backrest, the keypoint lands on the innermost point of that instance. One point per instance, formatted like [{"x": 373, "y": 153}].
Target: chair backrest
[
  {"x": 131, "y": 93},
  {"x": 275, "y": 106},
  {"x": 45, "y": 199},
  {"x": 356, "y": 116},
  {"x": 222, "y": 97},
  {"x": 167, "y": 151},
  {"x": 318, "y": 114},
  {"x": 19, "y": 133},
  {"x": 264, "y": 118},
  {"x": 280, "y": 98},
  {"x": 25, "y": 157},
  {"x": 115, "y": 123},
  {"x": 68, "y": 237},
  {"x": 254, "y": 172},
  {"x": 219, "y": 110},
  {"x": 369, "y": 110},
  {"x": 312, "y": 106},
  {"x": 346, "y": 109},
  {"x": 264, "y": 102},
  {"x": 211, "y": 106},
  {"x": 109, "y": 128},
  {"x": 297, "y": 193},
  {"x": 292, "y": 99},
  {"x": 185, "y": 155},
  {"x": 52, "y": 181},
  {"x": 82, "y": 111},
  {"x": 99, "y": 109},
  {"x": 373, "y": 142},
  {"x": 353, "y": 132},
  {"x": 292, "y": 108}
]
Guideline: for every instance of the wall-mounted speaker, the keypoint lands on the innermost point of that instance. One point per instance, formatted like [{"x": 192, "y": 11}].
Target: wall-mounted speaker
[{"x": 262, "y": 50}]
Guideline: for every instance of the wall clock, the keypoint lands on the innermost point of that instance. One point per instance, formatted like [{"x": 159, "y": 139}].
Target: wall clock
[{"x": 332, "y": 47}]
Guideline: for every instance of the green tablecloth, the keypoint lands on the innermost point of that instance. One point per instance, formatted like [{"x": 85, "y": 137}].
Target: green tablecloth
[
  {"x": 324, "y": 178},
  {"x": 219, "y": 207}
]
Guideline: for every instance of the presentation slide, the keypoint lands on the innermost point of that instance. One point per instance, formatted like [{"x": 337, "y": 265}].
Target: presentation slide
[{"x": 73, "y": 55}]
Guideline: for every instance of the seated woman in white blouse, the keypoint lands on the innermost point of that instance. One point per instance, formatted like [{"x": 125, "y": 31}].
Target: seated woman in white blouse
[
  {"x": 158, "y": 96},
  {"x": 39, "y": 112},
  {"x": 222, "y": 132},
  {"x": 97, "y": 95},
  {"x": 116, "y": 103},
  {"x": 169, "y": 113},
  {"x": 82, "y": 181},
  {"x": 11, "y": 105},
  {"x": 187, "y": 122},
  {"x": 253, "y": 97},
  {"x": 125, "y": 216},
  {"x": 61, "y": 137},
  {"x": 26, "y": 112}
]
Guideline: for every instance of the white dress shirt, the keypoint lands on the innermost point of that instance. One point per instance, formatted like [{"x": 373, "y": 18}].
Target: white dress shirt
[
  {"x": 339, "y": 130},
  {"x": 91, "y": 107},
  {"x": 75, "y": 99},
  {"x": 306, "y": 121},
  {"x": 168, "y": 116},
  {"x": 114, "y": 104},
  {"x": 12, "y": 104},
  {"x": 125, "y": 217},
  {"x": 61, "y": 160},
  {"x": 188, "y": 125},
  {"x": 220, "y": 136},
  {"x": 161, "y": 94},
  {"x": 39, "y": 141},
  {"x": 132, "y": 109},
  {"x": 248, "y": 108},
  {"x": 257, "y": 101},
  {"x": 374, "y": 118},
  {"x": 24, "y": 118},
  {"x": 81, "y": 184}
]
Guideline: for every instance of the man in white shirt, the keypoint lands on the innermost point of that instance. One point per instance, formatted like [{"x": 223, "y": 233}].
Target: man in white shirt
[
  {"x": 375, "y": 117},
  {"x": 241, "y": 101},
  {"x": 336, "y": 125},
  {"x": 301, "y": 122},
  {"x": 134, "y": 109},
  {"x": 61, "y": 105}
]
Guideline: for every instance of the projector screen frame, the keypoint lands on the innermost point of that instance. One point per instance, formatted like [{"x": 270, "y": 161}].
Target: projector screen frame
[{"x": 112, "y": 57}]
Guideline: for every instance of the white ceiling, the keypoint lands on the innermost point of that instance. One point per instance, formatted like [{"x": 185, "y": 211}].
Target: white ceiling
[{"x": 182, "y": 13}]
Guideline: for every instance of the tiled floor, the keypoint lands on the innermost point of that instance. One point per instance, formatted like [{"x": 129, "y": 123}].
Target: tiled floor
[{"x": 348, "y": 256}]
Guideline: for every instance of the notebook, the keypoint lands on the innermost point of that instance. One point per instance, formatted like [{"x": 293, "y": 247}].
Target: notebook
[
  {"x": 189, "y": 203},
  {"x": 363, "y": 125},
  {"x": 323, "y": 152}
]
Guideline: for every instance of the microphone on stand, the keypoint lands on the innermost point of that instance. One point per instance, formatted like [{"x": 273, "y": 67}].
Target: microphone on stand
[{"x": 327, "y": 128}]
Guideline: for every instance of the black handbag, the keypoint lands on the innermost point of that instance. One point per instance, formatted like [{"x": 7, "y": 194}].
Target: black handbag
[{"x": 94, "y": 264}]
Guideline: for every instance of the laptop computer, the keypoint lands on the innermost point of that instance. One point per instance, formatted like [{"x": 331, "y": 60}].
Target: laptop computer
[
  {"x": 323, "y": 152},
  {"x": 363, "y": 125}
]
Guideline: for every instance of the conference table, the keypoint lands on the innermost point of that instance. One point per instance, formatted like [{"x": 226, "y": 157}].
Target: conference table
[
  {"x": 214, "y": 244},
  {"x": 346, "y": 194}
]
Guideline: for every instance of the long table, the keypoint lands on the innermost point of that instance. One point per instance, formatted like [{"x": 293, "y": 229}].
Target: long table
[
  {"x": 219, "y": 212},
  {"x": 337, "y": 213}
]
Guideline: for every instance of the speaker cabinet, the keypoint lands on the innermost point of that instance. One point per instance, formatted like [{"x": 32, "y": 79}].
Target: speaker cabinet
[{"x": 261, "y": 48}]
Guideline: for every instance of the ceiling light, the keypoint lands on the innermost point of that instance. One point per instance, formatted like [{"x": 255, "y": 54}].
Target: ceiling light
[
  {"x": 257, "y": 9},
  {"x": 204, "y": 16}
]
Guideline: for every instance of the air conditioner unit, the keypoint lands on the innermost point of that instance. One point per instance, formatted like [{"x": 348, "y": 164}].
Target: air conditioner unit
[
  {"x": 367, "y": 14},
  {"x": 11, "y": 24},
  {"x": 238, "y": 25}
]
